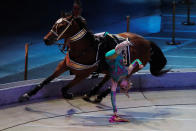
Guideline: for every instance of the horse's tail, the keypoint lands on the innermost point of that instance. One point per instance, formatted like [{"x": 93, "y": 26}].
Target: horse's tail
[{"x": 157, "y": 61}]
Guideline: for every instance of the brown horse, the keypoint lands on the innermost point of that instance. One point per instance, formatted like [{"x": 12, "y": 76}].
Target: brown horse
[{"x": 86, "y": 55}]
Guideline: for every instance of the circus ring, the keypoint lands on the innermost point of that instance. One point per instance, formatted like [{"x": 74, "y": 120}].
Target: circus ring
[{"x": 155, "y": 103}]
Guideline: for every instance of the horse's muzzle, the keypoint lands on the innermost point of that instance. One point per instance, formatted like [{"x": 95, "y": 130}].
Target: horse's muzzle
[{"x": 48, "y": 41}]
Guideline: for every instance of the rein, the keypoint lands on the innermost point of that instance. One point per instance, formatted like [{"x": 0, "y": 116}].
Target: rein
[
  {"x": 61, "y": 47},
  {"x": 72, "y": 39}
]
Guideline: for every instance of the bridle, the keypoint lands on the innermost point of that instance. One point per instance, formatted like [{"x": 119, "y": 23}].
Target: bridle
[
  {"x": 79, "y": 35},
  {"x": 66, "y": 28},
  {"x": 73, "y": 38}
]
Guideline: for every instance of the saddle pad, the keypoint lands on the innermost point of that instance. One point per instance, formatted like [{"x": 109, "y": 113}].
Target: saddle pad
[{"x": 114, "y": 39}]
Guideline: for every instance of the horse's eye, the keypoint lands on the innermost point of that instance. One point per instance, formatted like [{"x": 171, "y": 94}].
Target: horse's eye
[{"x": 61, "y": 27}]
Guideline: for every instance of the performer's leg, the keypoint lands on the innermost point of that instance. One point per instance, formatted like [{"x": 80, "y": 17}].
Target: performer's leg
[{"x": 122, "y": 46}]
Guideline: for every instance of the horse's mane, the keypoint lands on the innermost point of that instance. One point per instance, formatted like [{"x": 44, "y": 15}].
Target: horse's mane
[
  {"x": 82, "y": 25},
  {"x": 66, "y": 14}
]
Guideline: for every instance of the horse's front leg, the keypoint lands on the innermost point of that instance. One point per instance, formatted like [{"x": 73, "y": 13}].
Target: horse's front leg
[
  {"x": 61, "y": 68},
  {"x": 80, "y": 75}
]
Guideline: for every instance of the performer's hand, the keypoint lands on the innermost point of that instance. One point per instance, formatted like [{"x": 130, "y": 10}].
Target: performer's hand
[
  {"x": 130, "y": 68},
  {"x": 115, "y": 118},
  {"x": 141, "y": 66}
]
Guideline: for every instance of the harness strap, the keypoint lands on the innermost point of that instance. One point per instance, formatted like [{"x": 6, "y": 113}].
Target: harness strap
[
  {"x": 79, "y": 35},
  {"x": 77, "y": 66}
]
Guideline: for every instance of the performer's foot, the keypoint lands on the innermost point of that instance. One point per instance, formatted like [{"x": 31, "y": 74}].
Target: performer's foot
[
  {"x": 120, "y": 47},
  {"x": 24, "y": 97},
  {"x": 68, "y": 95}
]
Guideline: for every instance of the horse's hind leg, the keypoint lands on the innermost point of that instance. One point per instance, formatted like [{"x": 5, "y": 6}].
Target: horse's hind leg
[
  {"x": 103, "y": 94},
  {"x": 59, "y": 70},
  {"x": 96, "y": 88}
]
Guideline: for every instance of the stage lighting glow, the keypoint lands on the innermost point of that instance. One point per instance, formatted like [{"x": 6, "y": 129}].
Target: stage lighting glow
[{"x": 147, "y": 24}]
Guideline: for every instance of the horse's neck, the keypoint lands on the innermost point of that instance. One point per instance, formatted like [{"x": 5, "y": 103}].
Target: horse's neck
[
  {"x": 83, "y": 51},
  {"x": 86, "y": 42},
  {"x": 84, "y": 46}
]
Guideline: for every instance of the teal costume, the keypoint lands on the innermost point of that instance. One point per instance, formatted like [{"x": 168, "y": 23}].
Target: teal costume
[
  {"x": 117, "y": 69},
  {"x": 115, "y": 61}
]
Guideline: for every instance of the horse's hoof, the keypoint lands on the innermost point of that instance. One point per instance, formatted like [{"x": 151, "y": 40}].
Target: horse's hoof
[
  {"x": 68, "y": 95},
  {"x": 86, "y": 98},
  {"x": 97, "y": 100},
  {"x": 24, "y": 97}
]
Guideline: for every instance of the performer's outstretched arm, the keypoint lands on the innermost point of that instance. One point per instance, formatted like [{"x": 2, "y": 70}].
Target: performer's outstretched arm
[
  {"x": 115, "y": 117},
  {"x": 113, "y": 96},
  {"x": 134, "y": 64}
]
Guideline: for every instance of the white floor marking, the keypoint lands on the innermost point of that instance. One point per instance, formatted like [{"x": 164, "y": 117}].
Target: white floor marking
[
  {"x": 186, "y": 57},
  {"x": 177, "y": 46},
  {"x": 168, "y": 38},
  {"x": 188, "y": 48},
  {"x": 184, "y": 108},
  {"x": 138, "y": 117},
  {"x": 100, "y": 128},
  {"x": 181, "y": 66}
]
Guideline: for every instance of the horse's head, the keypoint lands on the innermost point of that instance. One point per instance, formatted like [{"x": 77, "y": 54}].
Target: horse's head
[{"x": 64, "y": 27}]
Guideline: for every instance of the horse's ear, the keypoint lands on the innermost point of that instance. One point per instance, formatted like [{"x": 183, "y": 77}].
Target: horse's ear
[{"x": 62, "y": 14}]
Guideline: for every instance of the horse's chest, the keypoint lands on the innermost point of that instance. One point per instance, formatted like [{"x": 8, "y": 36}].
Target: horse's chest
[{"x": 84, "y": 56}]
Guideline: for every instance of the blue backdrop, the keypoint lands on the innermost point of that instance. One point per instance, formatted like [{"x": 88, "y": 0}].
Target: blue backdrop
[{"x": 34, "y": 16}]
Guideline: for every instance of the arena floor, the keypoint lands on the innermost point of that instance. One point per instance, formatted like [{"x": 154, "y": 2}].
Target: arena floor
[{"x": 149, "y": 111}]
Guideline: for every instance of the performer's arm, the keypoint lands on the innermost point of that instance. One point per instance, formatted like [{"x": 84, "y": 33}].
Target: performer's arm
[
  {"x": 134, "y": 64},
  {"x": 113, "y": 96},
  {"x": 138, "y": 61},
  {"x": 115, "y": 117}
]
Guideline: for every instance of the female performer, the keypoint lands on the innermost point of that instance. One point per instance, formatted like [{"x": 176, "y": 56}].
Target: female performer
[{"x": 119, "y": 74}]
